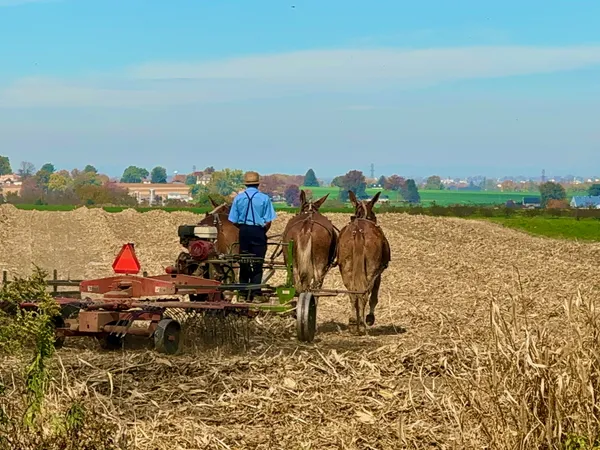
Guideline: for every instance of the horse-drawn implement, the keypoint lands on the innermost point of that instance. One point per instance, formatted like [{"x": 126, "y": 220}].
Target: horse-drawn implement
[{"x": 202, "y": 281}]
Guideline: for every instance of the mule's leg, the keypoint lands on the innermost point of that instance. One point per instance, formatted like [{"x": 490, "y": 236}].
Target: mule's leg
[
  {"x": 319, "y": 273},
  {"x": 363, "y": 306},
  {"x": 355, "y": 311},
  {"x": 373, "y": 300}
]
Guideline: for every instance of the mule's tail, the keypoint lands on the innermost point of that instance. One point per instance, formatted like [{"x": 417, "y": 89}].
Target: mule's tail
[
  {"x": 304, "y": 263},
  {"x": 359, "y": 262}
]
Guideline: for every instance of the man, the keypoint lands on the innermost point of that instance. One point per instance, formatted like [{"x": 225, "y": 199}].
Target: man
[{"x": 253, "y": 211}]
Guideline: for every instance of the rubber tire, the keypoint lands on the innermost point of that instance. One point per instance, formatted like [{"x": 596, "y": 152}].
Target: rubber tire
[
  {"x": 165, "y": 329},
  {"x": 306, "y": 317}
]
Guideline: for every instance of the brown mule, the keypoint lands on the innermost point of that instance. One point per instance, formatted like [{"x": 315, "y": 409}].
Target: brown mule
[
  {"x": 363, "y": 254},
  {"x": 228, "y": 233},
  {"x": 315, "y": 242}
]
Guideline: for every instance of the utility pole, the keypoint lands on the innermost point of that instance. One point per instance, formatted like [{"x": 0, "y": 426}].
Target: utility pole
[
  {"x": 372, "y": 170},
  {"x": 543, "y": 176}
]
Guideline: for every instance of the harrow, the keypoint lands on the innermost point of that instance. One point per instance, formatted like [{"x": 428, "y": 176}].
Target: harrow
[{"x": 200, "y": 282}]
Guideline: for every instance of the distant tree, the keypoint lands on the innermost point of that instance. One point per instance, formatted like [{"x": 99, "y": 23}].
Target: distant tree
[
  {"x": 86, "y": 179},
  {"x": 552, "y": 191},
  {"x": 509, "y": 186},
  {"x": 59, "y": 181},
  {"x": 209, "y": 170},
  {"x": 190, "y": 180},
  {"x": 557, "y": 204},
  {"x": 43, "y": 175},
  {"x": 394, "y": 183},
  {"x": 31, "y": 193},
  {"x": 158, "y": 175},
  {"x": 226, "y": 181},
  {"x": 133, "y": 174},
  {"x": 434, "y": 183},
  {"x": 5, "y": 168},
  {"x": 594, "y": 189},
  {"x": 26, "y": 169},
  {"x": 490, "y": 185},
  {"x": 381, "y": 181},
  {"x": 90, "y": 169},
  {"x": 48, "y": 167},
  {"x": 203, "y": 196},
  {"x": 272, "y": 185},
  {"x": 310, "y": 179},
  {"x": 353, "y": 181},
  {"x": 337, "y": 181},
  {"x": 292, "y": 195},
  {"x": 410, "y": 192}
]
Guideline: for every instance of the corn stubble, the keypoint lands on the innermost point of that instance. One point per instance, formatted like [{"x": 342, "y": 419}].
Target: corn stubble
[{"x": 484, "y": 338}]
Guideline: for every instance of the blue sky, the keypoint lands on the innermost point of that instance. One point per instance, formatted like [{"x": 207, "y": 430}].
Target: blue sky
[{"x": 446, "y": 87}]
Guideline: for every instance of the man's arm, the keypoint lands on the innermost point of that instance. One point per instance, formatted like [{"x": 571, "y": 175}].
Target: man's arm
[
  {"x": 270, "y": 215},
  {"x": 233, "y": 212}
]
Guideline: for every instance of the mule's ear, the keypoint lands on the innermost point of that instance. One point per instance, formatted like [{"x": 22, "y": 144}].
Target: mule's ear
[
  {"x": 215, "y": 204},
  {"x": 353, "y": 198},
  {"x": 319, "y": 202},
  {"x": 302, "y": 197},
  {"x": 374, "y": 199}
]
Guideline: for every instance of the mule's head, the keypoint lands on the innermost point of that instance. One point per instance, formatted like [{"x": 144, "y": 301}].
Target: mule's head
[
  {"x": 310, "y": 206},
  {"x": 218, "y": 209},
  {"x": 223, "y": 208},
  {"x": 363, "y": 209}
]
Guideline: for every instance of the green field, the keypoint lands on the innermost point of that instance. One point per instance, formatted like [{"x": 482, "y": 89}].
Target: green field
[
  {"x": 442, "y": 198},
  {"x": 554, "y": 227}
]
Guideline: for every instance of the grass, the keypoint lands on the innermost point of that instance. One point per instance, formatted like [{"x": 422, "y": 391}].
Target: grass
[
  {"x": 554, "y": 227},
  {"x": 442, "y": 198}
]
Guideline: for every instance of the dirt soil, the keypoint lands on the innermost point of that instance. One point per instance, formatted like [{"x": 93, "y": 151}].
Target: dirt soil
[{"x": 342, "y": 391}]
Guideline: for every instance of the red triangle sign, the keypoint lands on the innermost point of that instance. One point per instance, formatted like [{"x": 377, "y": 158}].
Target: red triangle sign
[{"x": 126, "y": 261}]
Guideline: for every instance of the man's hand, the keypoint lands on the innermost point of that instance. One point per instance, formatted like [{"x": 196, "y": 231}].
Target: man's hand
[{"x": 267, "y": 226}]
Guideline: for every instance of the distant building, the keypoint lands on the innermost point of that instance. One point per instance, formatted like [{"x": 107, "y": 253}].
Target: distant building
[
  {"x": 151, "y": 191},
  {"x": 587, "y": 201},
  {"x": 10, "y": 184},
  {"x": 532, "y": 202}
]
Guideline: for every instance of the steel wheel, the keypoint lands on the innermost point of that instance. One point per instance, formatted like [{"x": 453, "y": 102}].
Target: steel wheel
[
  {"x": 167, "y": 336},
  {"x": 306, "y": 317}
]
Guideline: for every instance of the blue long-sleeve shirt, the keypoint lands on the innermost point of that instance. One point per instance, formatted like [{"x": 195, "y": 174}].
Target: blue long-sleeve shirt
[{"x": 261, "y": 204}]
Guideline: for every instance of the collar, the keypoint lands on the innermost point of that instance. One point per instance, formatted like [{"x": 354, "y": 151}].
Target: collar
[{"x": 251, "y": 189}]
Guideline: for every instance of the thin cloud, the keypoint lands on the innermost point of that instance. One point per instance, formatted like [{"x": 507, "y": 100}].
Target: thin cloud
[{"x": 296, "y": 73}]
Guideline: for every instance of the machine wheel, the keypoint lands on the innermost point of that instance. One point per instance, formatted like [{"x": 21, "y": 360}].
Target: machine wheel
[
  {"x": 306, "y": 317},
  {"x": 167, "y": 336},
  {"x": 112, "y": 341}
]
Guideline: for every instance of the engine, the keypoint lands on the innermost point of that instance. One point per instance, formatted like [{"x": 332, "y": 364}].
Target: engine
[{"x": 199, "y": 241}]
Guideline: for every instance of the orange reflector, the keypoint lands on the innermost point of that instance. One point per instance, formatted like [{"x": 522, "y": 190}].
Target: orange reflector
[{"x": 126, "y": 261}]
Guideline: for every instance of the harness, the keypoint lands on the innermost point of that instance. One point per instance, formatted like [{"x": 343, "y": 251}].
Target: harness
[
  {"x": 309, "y": 217},
  {"x": 250, "y": 207}
]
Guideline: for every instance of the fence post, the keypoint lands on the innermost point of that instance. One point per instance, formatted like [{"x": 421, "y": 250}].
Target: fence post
[
  {"x": 4, "y": 277},
  {"x": 55, "y": 276}
]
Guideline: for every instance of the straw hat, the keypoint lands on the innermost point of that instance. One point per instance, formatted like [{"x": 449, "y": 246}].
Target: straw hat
[{"x": 251, "y": 178}]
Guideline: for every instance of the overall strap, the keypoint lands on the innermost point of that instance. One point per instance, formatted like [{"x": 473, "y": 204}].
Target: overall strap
[{"x": 250, "y": 207}]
